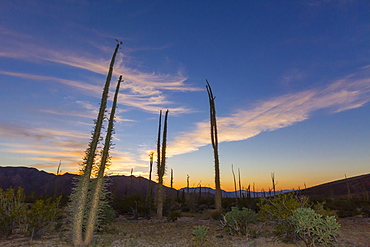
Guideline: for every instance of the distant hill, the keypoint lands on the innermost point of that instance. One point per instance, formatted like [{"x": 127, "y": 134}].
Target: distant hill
[
  {"x": 348, "y": 188},
  {"x": 40, "y": 183},
  {"x": 232, "y": 194},
  {"x": 35, "y": 182}
]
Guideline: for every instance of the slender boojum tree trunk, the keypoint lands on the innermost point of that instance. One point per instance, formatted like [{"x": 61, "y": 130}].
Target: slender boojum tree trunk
[
  {"x": 240, "y": 184},
  {"x": 236, "y": 194},
  {"x": 162, "y": 169},
  {"x": 187, "y": 184},
  {"x": 83, "y": 184},
  {"x": 149, "y": 192},
  {"x": 56, "y": 180},
  {"x": 98, "y": 190},
  {"x": 159, "y": 188},
  {"x": 131, "y": 177},
  {"x": 214, "y": 139},
  {"x": 273, "y": 182},
  {"x": 171, "y": 178}
]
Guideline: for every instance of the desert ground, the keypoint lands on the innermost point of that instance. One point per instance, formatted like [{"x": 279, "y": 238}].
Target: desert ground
[{"x": 355, "y": 231}]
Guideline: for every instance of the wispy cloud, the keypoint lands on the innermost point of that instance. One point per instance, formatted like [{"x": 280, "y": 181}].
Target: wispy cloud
[
  {"x": 48, "y": 145},
  {"x": 17, "y": 131},
  {"x": 350, "y": 92},
  {"x": 150, "y": 101},
  {"x": 293, "y": 76},
  {"x": 92, "y": 112},
  {"x": 140, "y": 89}
]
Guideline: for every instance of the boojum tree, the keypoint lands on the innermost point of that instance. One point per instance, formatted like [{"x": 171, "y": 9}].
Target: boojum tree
[
  {"x": 79, "y": 197},
  {"x": 161, "y": 163},
  {"x": 149, "y": 192},
  {"x": 99, "y": 183},
  {"x": 214, "y": 139},
  {"x": 236, "y": 193}
]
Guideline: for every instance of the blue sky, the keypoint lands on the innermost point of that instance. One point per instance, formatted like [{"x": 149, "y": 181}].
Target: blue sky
[{"x": 291, "y": 80}]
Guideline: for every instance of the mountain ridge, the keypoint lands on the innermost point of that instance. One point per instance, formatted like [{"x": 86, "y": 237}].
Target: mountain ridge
[{"x": 40, "y": 183}]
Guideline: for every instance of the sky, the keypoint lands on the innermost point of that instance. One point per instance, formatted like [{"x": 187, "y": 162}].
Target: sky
[{"x": 291, "y": 80}]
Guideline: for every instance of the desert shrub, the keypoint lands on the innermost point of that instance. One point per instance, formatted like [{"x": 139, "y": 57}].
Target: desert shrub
[
  {"x": 133, "y": 204},
  {"x": 199, "y": 234},
  {"x": 249, "y": 203},
  {"x": 191, "y": 203},
  {"x": 107, "y": 215},
  {"x": 42, "y": 216},
  {"x": 237, "y": 220},
  {"x": 173, "y": 216},
  {"x": 350, "y": 208},
  {"x": 312, "y": 228},
  {"x": 278, "y": 211},
  {"x": 12, "y": 210},
  {"x": 216, "y": 214}
]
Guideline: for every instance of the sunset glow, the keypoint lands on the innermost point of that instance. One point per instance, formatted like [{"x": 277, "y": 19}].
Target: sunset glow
[{"x": 291, "y": 80}]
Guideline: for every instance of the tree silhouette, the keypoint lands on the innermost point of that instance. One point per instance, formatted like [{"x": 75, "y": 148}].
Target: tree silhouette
[
  {"x": 214, "y": 139},
  {"x": 161, "y": 163},
  {"x": 79, "y": 197}
]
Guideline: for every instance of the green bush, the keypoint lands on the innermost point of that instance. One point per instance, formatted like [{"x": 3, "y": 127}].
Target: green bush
[
  {"x": 313, "y": 228},
  {"x": 349, "y": 208},
  {"x": 106, "y": 215},
  {"x": 216, "y": 215},
  {"x": 199, "y": 234},
  {"x": 319, "y": 208},
  {"x": 41, "y": 216},
  {"x": 173, "y": 216},
  {"x": 237, "y": 220},
  {"x": 12, "y": 210},
  {"x": 278, "y": 211}
]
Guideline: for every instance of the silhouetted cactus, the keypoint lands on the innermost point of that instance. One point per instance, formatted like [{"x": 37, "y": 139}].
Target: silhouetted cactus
[
  {"x": 273, "y": 182},
  {"x": 79, "y": 196},
  {"x": 236, "y": 193},
  {"x": 149, "y": 193},
  {"x": 99, "y": 183},
  {"x": 161, "y": 164},
  {"x": 214, "y": 139}
]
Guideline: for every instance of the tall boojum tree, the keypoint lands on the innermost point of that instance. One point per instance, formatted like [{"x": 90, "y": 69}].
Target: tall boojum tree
[
  {"x": 214, "y": 139},
  {"x": 99, "y": 186},
  {"x": 79, "y": 197},
  {"x": 161, "y": 163}
]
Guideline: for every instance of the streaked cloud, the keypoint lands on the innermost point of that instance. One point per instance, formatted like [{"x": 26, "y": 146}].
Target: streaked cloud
[
  {"x": 350, "y": 92},
  {"x": 18, "y": 131},
  {"x": 41, "y": 144},
  {"x": 49, "y": 146},
  {"x": 140, "y": 89},
  {"x": 293, "y": 76}
]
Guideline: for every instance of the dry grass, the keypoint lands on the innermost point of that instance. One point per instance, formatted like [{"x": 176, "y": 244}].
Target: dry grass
[{"x": 123, "y": 232}]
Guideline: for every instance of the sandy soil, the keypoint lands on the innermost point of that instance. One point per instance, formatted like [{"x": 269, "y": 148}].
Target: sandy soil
[{"x": 354, "y": 232}]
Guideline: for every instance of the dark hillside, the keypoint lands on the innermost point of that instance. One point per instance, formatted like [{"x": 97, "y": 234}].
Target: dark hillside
[
  {"x": 357, "y": 187},
  {"x": 39, "y": 183},
  {"x": 35, "y": 182},
  {"x": 42, "y": 184}
]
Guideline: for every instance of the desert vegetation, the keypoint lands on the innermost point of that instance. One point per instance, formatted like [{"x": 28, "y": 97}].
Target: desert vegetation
[
  {"x": 92, "y": 216},
  {"x": 283, "y": 220}
]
